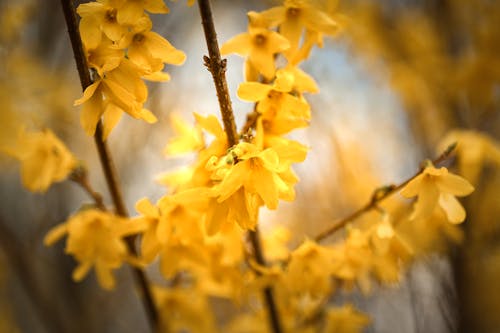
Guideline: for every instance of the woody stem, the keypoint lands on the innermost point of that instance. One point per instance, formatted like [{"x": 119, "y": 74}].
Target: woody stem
[
  {"x": 376, "y": 199},
  {"x": 105, "y": 157},
  {"x": 217, "y": 68}
]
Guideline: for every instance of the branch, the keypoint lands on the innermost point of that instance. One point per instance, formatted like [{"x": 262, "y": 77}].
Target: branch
[
  {"x": 80, "y": 176},
  {"x": 105, "y": 156},
  {"x": 378, "y": 196},
  {"x": 217, "y": 68}
]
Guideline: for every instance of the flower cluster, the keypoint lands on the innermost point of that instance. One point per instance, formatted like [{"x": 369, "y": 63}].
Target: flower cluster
[
  {"x": 197, "y": 229},
  {"x": 122, "y": 51}
]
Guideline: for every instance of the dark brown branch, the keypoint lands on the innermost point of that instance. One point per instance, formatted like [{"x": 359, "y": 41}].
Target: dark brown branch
[
  {"x": 217, "y": 68},
  {"x": 379, "y": 195},
  {"x": 268, "y": 292},
  {"x": 105, "y": 156}
]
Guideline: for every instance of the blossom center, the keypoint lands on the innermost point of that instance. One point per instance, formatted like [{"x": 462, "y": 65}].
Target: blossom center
[
  {"x": 111, "y": 15},
  {"x": 260, "y": 39},
  {"x": 138, "y": 38},
  {"x": 292, "y": 12}
]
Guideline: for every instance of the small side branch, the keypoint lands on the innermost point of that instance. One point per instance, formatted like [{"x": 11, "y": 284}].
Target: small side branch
[
  {"x": 80, "y": 176},
  {"x": 105, "y": 157},
  {"x": 378, "y": 196}
]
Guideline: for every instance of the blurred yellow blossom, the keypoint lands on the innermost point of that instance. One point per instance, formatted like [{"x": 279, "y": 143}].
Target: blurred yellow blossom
[
  {"x": 44, "y": 159},
  {"x": 437, "y": 186},
  {"x": 345, "y": 319},
  {"x": 96, "y": 238}
]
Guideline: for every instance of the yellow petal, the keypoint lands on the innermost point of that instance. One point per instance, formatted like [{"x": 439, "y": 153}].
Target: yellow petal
[
  {"x": 428, "y": 197},
  {"x": 145, "y": 207},
  {"x": 263, "y": 61},
  {"x": 453, "y": 209},
  {"x": 210, "y": 124},
  {"x": 268, "y": 18},
  {"x": 148, "y": 116},
  {"x": 90, "y": 32},
  {"x": 111, "y": 117},
  {"x": 292, "y": 30},
  {"x": 319, "y": 21},
  {"x": 240, "y": 44},
  {"x": 162, "y": 49},
  {"x": 104, "y": 275},
  {"x": 216, "y": 216},
  {"x": 113, "y": 30},
  {"x": 253, "y": 91},
  {"x": 156, "y": 6},
  {"x": 55, "y": 234},
  {"x": 130, "y": 12},
  {"x": 82, "y": 270},
  {"x": 37, "y": 171},
  {"x": 454, "y": 184},
  {"x": 88, "y": 93},
  {"x": 91, "y": 113},
  {"x": 412, "y": 188},
  {"x": 157, "y": 77}
]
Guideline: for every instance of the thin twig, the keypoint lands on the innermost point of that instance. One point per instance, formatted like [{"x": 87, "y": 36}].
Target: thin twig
[
  {"x": 217, "y": 68},
  {"x": 105, "y": 157},
  {"x": 80, "y": 176},
  {"x": 378, "y": 195}
]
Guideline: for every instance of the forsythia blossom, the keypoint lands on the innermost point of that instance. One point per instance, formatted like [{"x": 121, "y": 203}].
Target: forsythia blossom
[
  {"x": 438, "y": 186},
  {"x": 44, "y": 159},
  {"x": 123, "y": 51},
  {"x": 96, "y": 239}
]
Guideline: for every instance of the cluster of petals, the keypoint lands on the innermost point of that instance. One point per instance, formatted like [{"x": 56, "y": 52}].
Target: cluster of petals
[
  {"x": 122, "y": 50},
  {"x": 96, "y": 239}
]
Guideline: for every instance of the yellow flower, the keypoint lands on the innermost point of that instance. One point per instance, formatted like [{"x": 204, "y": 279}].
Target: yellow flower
[
  {"x": 96, "y": 238},
  {"x": 105, "y": 57},
  {"x": 117, "y": 91},
  {"x": 173, "y": 224},
  {"x": 241, "y": 207},
  {"x": 148, "y": 50},
  {"x": 44, "y": 159},
  {"x": 188, "y": 139},
  {"x": 259, "y": 45},
  {"x": 281, "y": 111},
  {"x": 295, "y": 16},
  {"x": 98, "y": 18},
  {"x": 312, "y": 261},
  {"x": 132, "y": 10},
  {"x": 437, "y": 186},
  {"x": 352, "y": 260},
  {"x": 257, "y": 171}
]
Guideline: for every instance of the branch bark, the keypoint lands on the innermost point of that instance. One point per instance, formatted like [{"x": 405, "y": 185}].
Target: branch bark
[{"x": 105, "y": 157}]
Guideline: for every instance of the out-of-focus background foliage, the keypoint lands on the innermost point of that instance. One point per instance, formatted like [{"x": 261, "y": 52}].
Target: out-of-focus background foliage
[{"x": 401, "y": 76}]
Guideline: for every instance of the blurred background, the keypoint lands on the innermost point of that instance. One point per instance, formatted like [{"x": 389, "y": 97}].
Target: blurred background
[{"x": 400, "y": 76}]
